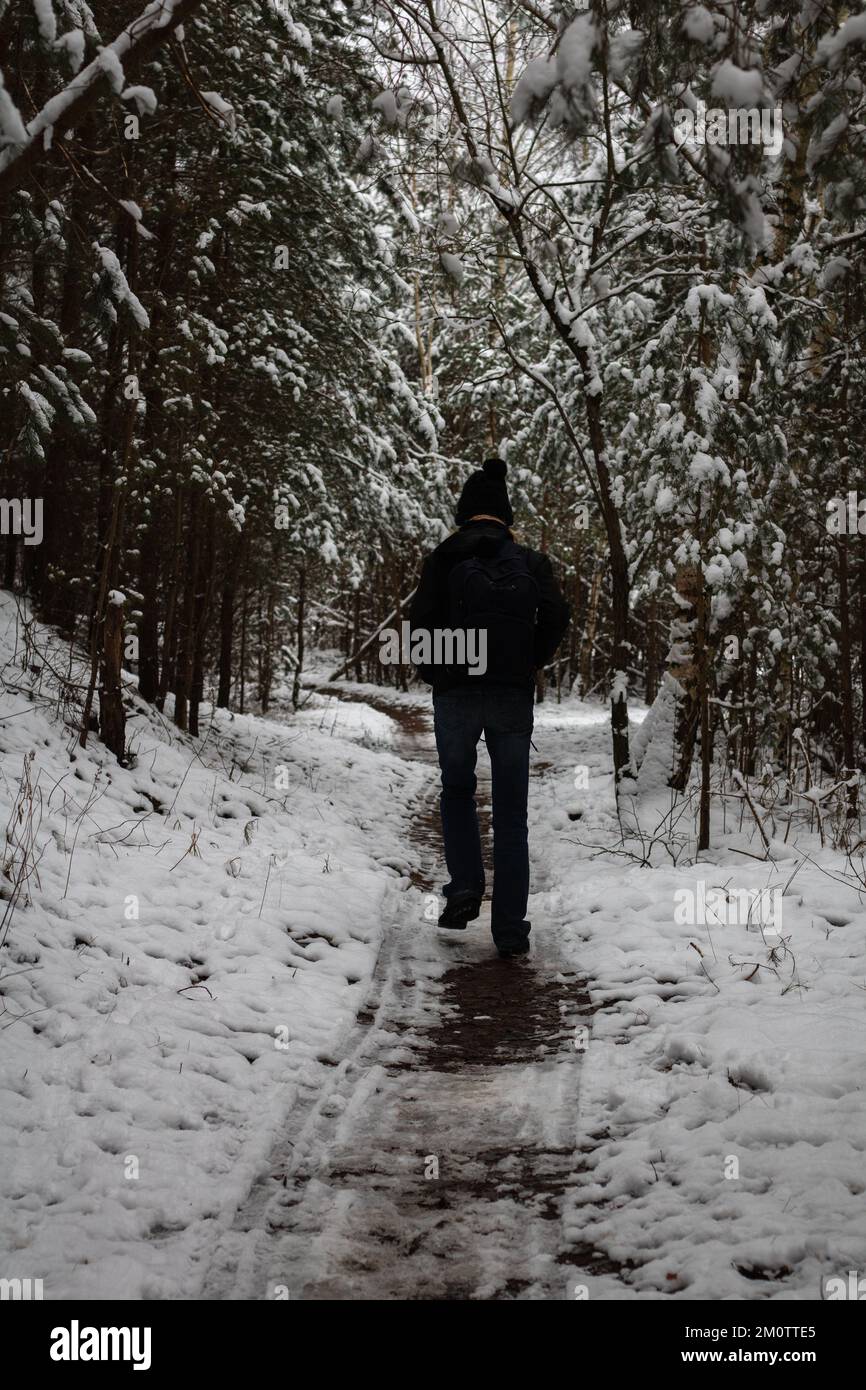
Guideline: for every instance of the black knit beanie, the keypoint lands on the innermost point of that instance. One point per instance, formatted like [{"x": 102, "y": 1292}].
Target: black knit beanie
[{"x": 485, "y": 492}]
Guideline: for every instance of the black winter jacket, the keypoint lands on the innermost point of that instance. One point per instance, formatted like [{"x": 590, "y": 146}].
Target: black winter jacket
[{"x": 430, "y": 606}]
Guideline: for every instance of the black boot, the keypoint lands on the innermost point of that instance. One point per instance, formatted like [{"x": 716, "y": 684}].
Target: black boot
[
  {"x": 514, "y": 942},
  {"x": 512, "y": 948},
  {"x": 460, "y": 908}
]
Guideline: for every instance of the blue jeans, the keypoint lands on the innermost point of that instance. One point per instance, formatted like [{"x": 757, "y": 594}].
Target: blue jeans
[{"x": 504, "y": 715}]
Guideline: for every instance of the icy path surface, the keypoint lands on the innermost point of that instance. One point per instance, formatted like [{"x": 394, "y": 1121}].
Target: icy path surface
[{"x": 432, "y": 1157}]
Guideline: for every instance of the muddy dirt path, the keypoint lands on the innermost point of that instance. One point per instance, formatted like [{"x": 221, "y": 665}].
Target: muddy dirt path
[{"x": 433, "y": 1158}]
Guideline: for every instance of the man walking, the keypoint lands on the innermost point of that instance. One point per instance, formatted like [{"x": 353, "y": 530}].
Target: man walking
[{"x": 480, "y": 581}]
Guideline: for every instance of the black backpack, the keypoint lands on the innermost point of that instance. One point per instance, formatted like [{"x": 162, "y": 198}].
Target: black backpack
[{"x": 496, "y": 591}]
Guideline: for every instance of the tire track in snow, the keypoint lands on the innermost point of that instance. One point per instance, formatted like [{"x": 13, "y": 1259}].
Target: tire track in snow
[{"x": 432, "y": 1158}]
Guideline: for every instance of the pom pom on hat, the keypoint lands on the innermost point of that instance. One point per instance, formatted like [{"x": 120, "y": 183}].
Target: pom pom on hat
[{"x": 495, "y": 468}]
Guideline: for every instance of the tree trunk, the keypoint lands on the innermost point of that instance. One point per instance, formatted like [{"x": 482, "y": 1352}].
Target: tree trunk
[
  {"x": 204, "y": 592},
  {"x": 183, "y": 674},
  {"x": 651, "y": 647},
  {"x": 846, "y": 692},
  {"x": 302, "y": 605},
  {"x": 356, "y": 634},
  {"x": 148, "y": 639},
  {"x": 242, "y": 672},
  {"x": 112, "y": 719},
  {"x": 169, "y": 635},
  {"x": 862, "y": 596},
  {"x": 589, "y": 632},
  {"x": 267, "y": 647},
  {"x": 227, "y": 622},
  {"x": 685, "y": 667}
]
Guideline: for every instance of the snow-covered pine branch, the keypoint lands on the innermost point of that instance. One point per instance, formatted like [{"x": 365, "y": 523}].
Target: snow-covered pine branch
[{"x": 133, "y": 46}]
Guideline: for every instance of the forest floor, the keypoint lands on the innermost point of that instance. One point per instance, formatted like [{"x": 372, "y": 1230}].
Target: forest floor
[{"x": 239, "y": 1061}]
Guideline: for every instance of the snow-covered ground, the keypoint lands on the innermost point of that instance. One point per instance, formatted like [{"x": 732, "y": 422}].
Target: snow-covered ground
[
  {"x": 194, "y": 929},
  {"x": 722, "y": 1111},
  {"x": 190, "y": 964}
]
